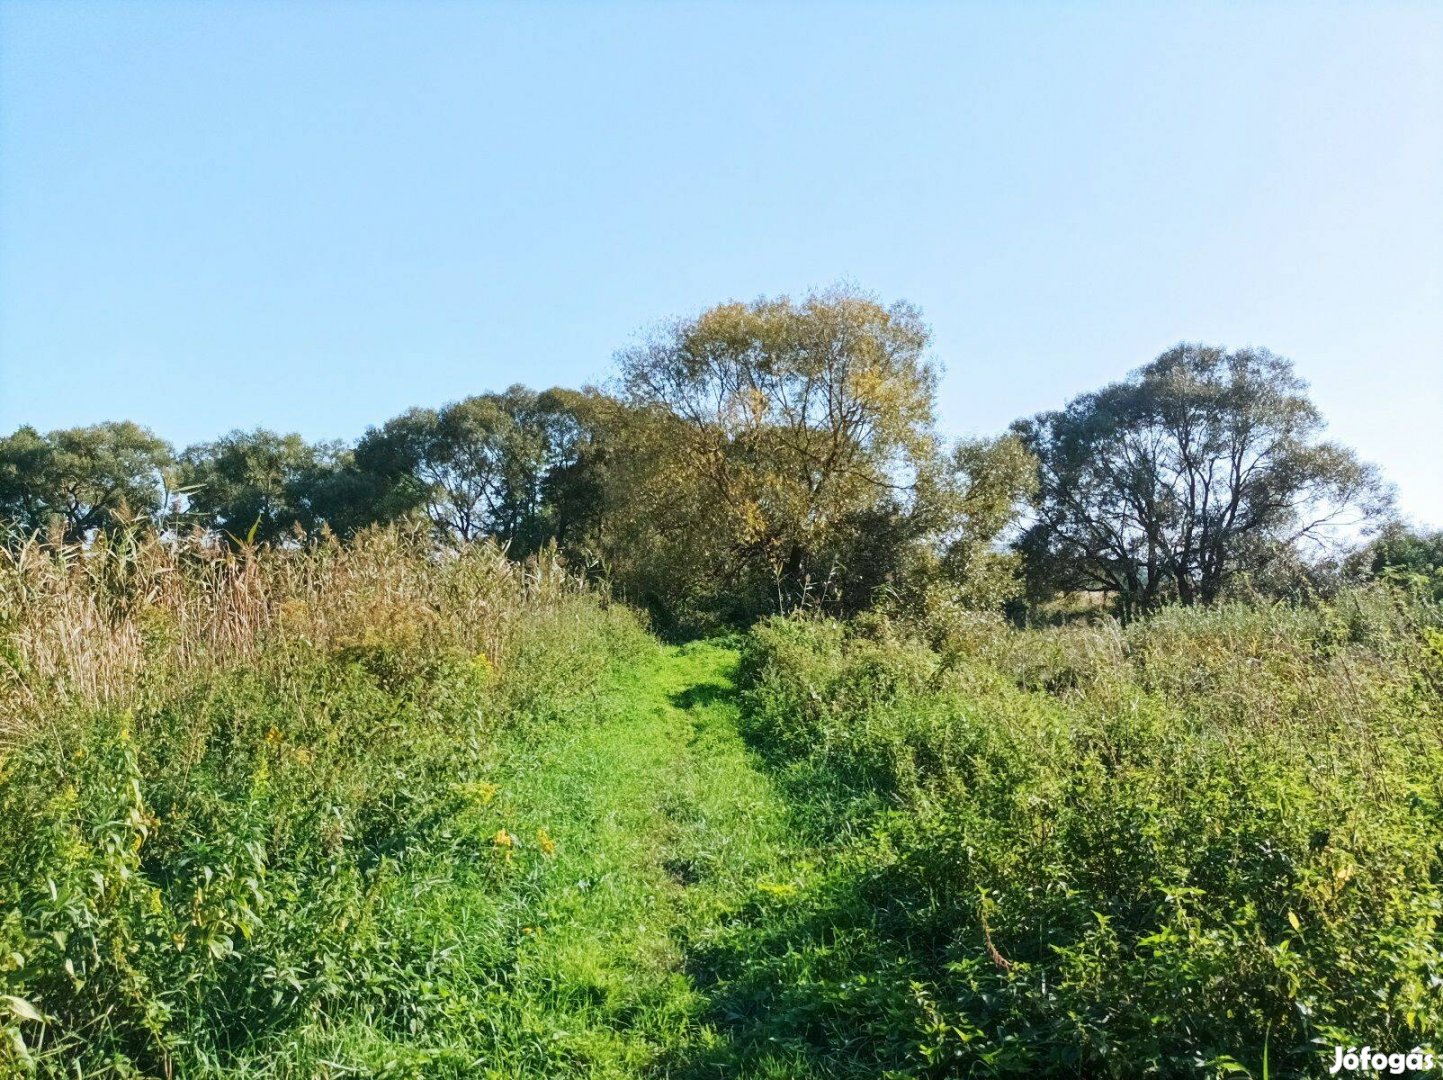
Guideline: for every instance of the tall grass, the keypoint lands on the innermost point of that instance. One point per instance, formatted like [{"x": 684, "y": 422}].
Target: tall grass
[
  {"x": 250, "y": 827},
  {"x": 1100, "y": 850},
  {"x": 130, "y": 614},
  {"x": 226, "y": 778}
]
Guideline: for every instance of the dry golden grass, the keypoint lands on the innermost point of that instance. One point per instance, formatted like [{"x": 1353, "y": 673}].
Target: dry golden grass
[{"x": 99, "y": 625}]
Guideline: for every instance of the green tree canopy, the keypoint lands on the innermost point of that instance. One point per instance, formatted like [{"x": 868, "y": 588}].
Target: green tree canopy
[
  {"x": 475, "y": 468},
  {"x": 81, "y": 480},
  {"x": 968, "y": 509},
  {"x": 258, "y": 485},
  {"x": 1201, "y": 466},
  {"x": 783, "y": 426},
  {"x": 1409, "y": 557}
]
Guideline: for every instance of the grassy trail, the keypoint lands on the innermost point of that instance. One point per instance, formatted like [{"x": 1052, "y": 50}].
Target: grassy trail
[{"x": 670, "y": 842}]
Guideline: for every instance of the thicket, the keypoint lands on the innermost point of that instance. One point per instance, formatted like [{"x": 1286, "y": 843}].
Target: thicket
[
  {"x": 1173, "y": 847},
  {"x": 250, "y": 695},
  {"x": 232, "y": 784},
  {"x": 778, "y": 455}
]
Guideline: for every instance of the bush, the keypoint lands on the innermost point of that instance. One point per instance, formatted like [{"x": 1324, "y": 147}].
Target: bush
[
  {"x": 1123, "y": 853},
  {"x": 218, "y": 814}
]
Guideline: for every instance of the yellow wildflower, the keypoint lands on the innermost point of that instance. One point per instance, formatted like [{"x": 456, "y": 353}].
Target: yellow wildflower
[
  {"x": 780, "y": 890},
  {"x": 504, "y": 842},
  {"x": 480, "y": 792},
  {"x": 544, "y": 842}
]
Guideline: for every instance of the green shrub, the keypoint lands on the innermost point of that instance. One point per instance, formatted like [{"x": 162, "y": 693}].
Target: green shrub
[
  {"x": 219, "y": 852},
  {"x": 1121, "y": 854}
]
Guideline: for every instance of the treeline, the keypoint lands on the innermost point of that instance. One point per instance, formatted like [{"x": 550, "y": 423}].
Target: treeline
[{"x": 783, "y": 454}]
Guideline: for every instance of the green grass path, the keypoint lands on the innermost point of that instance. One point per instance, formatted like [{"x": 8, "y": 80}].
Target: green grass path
[{"x": 669, "y": 839}]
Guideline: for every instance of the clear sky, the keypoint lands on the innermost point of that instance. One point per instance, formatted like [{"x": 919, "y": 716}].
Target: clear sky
[{"x": 310, "y": 216}]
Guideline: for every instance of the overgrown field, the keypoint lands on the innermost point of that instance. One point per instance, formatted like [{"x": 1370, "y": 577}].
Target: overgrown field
[
  {"x": 369, "y": 810},
  {"x": 245, "y": 800},
  {"x": 1208, "y": 840}
]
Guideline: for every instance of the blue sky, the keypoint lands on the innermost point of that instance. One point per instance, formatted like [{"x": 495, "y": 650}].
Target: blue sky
[{"x": 310, "y": 216}]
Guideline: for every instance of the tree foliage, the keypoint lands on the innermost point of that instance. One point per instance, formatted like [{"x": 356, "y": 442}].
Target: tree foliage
[
  {"x": 956, "y": 561},
  {"x": 788, "y": 425},
  {"x": 81, "y": 480},
  {"x": 475, "y": 468},
  {"x": 1203, "y": 466},
  {"x": 1409, "y": 557},
  {"x": 258, "y": 485},
  {"x": 783, "y": 454}
]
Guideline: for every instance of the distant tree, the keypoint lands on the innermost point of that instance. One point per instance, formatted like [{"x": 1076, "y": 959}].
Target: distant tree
[
  {"x": 1201, "y": 466},
  {"x": 81, "y": 480},
  {"x": 540, "y": 437},
  {"x": 630, "y": 505},
  {"x": 475, "y": 468},
  {"x": 984, "y": 488},
  {"x": 582, "y": 430},
  {"x": 779, "y": 429},
  {"x": 444, "y": 462},
  {"x": 1409, "y": 557},
  {"x": 941, "y": 549},
  {"x": 258, "y": 485}
]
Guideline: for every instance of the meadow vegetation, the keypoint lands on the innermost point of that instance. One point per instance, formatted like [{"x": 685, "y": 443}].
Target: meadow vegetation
[
  {"x": 1108, "y": 746},
  {"x": 1167, "y": 848},
  {"x": 236, "y": 786}
]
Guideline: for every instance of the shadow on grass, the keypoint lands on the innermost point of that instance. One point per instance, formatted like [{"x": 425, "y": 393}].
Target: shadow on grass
[
  {"x": 815, "y": 981},
  {"x": 702, "y": 695},
  {"x": 806, "y": 986}
]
